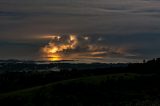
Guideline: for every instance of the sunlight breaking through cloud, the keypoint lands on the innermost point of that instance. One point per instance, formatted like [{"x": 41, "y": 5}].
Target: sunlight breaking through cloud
[
  {"x": 75, "y": 47},
  {"x": 54, "y": 47}
]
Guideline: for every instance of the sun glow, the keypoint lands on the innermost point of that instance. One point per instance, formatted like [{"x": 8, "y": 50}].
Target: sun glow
[
  {"x": 54, "y": 49},
  {"x": 54, "y": 57},
  {"x": 51, "y": 54}
]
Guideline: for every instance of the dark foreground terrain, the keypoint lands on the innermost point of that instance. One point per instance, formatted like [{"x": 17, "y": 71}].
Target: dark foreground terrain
[{"x": 134, "y": 85}]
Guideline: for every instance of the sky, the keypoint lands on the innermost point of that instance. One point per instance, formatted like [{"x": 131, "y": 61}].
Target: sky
[{"x": 81, "y": 30}]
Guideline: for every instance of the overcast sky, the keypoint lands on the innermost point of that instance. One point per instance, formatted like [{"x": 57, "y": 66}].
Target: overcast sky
[{"x": 121, "y": 30}]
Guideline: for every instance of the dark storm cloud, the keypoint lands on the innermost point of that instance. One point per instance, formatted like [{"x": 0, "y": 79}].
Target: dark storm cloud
[{"x": 130, "y": 24}]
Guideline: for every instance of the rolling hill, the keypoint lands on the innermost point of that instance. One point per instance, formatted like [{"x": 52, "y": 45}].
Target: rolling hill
[{"x": 123, "y": 89}]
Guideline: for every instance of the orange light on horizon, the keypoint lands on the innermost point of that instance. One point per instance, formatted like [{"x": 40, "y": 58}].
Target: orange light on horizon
[
  {"x": 54, "y": 57},
  {"x": 54, "y": 50}
]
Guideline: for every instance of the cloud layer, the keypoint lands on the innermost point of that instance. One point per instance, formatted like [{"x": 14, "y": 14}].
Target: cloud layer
[
  {"x": 131, "y": 25},
  {"x": 80, "y": 47}
]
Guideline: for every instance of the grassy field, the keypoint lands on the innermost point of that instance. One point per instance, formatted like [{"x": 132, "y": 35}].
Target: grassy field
[{"x": 126, "y": 89}]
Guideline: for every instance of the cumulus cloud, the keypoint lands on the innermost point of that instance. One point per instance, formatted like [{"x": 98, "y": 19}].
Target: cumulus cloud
[{"x": 77, "y": 47}]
